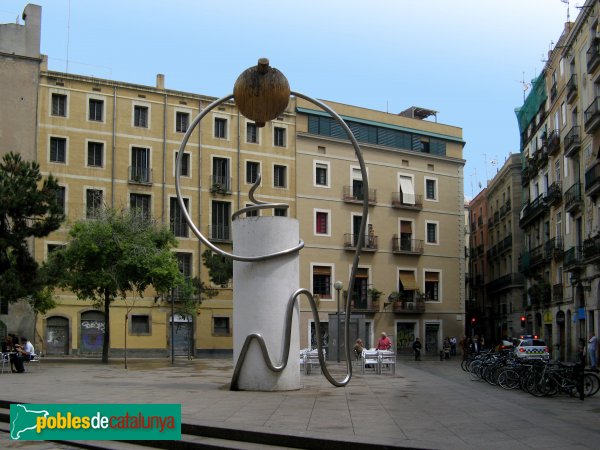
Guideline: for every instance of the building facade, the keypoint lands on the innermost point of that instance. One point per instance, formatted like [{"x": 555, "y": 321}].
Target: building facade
[{"x": 113, "y": 143}]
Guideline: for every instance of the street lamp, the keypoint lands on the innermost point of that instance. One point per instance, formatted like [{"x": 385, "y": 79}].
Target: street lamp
[{"x": 338, "y": 285}]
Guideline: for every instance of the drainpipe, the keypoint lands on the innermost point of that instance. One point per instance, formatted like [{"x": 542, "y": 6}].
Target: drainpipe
[
  {"x": 114, "y": 149},
  {"x": 164, "y": 163},
  {"x": 239, "y": 161}
]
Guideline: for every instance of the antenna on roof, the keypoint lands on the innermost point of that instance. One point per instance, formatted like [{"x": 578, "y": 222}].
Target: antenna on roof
[
  {"x": 68, "y": 36},
  {"x": 568, "y": 15},
  {"x": 525, "y": 85}
]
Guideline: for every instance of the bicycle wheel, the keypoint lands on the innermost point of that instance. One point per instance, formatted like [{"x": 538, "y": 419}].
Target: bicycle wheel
[
  {"x": 475, "y": 370},
  {"x": 508, "y": 379},
  {"x": 591, "y": 384}
]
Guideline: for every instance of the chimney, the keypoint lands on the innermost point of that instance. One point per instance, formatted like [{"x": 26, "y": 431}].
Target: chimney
[{"x": 160, "y": 81}]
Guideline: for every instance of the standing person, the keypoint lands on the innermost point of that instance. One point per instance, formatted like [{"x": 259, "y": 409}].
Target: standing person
[
  {"x": 465, "y": 346},
  {"x": 591, "y": 349},
  {"x": 447, "y": 348},
  {"x": 475, "y": 345},
  {"x": 453, "y": 346},
  {"x": 384, "y": 342},
  {"x": 417, "y": 349},
  {"x": 579, "y": 366}
]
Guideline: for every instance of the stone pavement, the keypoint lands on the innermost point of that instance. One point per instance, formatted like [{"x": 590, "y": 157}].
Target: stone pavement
[{"x": 430, "y": 404}]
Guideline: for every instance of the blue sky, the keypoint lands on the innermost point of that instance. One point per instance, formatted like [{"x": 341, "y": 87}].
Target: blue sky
[{"x": 463, "y": 58}]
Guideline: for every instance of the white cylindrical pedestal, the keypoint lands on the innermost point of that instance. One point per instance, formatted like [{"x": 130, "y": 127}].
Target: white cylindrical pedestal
[{"x": 261, "y": 291}]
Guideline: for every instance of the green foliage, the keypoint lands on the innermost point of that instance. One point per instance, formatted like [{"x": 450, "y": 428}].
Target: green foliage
[
  {"x": 113, "y": 255},
  {"x": 190, "y": 294},
  {"x": 374, "y": 293},
  {"x": 220, "y": 268},
  {"x": 28, "y": 208}
]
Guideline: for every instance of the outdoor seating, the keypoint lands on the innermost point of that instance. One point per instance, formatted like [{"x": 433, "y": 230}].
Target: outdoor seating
[
  {"x": 370, "y": 361},
  {"x": 312, "y": 360},
  {"x": 387, "y": 361},
  {"x": 5, "y": 361}
]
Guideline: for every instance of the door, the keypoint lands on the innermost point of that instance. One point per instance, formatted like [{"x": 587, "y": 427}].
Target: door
[
  {"x": 560, "y": 323},
  {"x": 220, "y": 221},
  {"x": 57, "y": 336},
  {"x": 140, "y": 164},
  {"x": 183, "y": 335},
  {"x": 324, "y": 336},
  {"x": 405, "y": 336},
  {"x": 432, "y": 331},
  {"x": 357, "y": 184},
  {"x": 356, "y": 221},
  {"x": 361, "y": 283},
  {"x": 92, "y": 333}
]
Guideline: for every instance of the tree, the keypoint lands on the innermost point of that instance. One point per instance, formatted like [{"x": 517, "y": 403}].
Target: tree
[
  {"x": 112, "y": 256},
  {"x": 220, "y": 268},
  {"x": 28, "y": 208}
]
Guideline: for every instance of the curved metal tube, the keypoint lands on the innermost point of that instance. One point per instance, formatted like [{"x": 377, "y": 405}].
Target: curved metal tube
[
  {"x": 262, "y": 205},
  {"x": 257, "y": 203}
]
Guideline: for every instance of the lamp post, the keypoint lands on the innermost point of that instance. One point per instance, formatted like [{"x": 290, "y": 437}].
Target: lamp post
[{"x": 338, "y": 285}]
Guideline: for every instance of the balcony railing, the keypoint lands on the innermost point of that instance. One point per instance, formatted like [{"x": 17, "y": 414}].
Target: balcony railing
[
  {"x": 572, "y": 142},
  {"x": 505, "y": 282},
  {"x": 573, "y": 198},
  {"x": 557, "y": 293},
  {"x": 591, "y": 249},
  {"x": 572, "y": 88},
  {"x": 573, "y": 257},
  {"x": 554, "y": 194},
  {"x": 553, "y": 143},
  {"x": 553, "y": 91},
  {"x": 554, "y": 248},
  {"x": 524, "y": 262},
  {"x": 369, "y": 243},
  {"x": 414, "y": 306},
  {"x": 533, "y": 209},
  {"x": 480, "y": 221},
  {"x": 592, "y": 180},
  {"x": 407, "y": 246},
  {"x": 353, "y": 194},
  {"x": 591, "y": 116},
  {"x": 220, "y": 184},
  {"x": 140, "y": 175},
  {"x": 219, "y": 233},
  {"x": 593, "y": 55},
  {"x": 398, "y": 203},
  {"x": 491, "y": 222},
  {"x": 538, "y": 256}
]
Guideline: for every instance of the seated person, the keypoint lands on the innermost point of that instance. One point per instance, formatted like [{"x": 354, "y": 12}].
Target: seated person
[
  {"x": 7, "y": 344},
  {"x": 24, "y": 352}
]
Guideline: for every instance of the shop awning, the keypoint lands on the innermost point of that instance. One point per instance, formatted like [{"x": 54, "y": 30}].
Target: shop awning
[{"x": 408, "y": 191}]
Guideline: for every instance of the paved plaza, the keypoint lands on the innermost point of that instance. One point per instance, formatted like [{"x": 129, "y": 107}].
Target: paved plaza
[{"x": 429, "y": 404}]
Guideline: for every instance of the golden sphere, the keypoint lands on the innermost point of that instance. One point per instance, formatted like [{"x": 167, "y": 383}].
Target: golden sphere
[{"x": 261, "y": 92}]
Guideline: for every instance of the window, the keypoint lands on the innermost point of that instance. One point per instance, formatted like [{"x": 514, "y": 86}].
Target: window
[
  {"x": 94, "y": 200},
  {"x": 182, "y": 121},
  {"x": 220, "y": 128},
  {"x": 140, "y": 165},
  {"x": 407, "y": 190},
  {"x": 51, "y": 248},
  {"x": 563, "y": 113},
  {"x": 140, "y": 116},
  {"x": 430, "y": 189},
  {"x": 220, "y": 175},
  {"x": 221, "y": 326},
  {"x": 279, "y": 176},
  {"x": 179, "y": 226},
  {"x": 184, "y": 170},
  {"x": 557, "y": 170},
  {"x": 252, "y": 171},
  {"x": 321, "y": 174},
  {"x": 321, "y": 277},
  {"x": 140, "y": 324},
  {"x": 279, "y": 137},
  {"x": 140, "y": 205},
  {"x": 321, "y": 222},
  {"x": 251, "y": 213},
  {"x": 251, "y": 133},
  {"x": 184, "y": 261},
  {"x": 58, "y": 150},
  {"x": 357, "y": 184},
  {"x": 60, "y": 198},
  {"x": 96, "y": 110},
  {"x": 432, "y": 286},
  {"x": 280, "y": 212},
  {"x": 95, "y": 154},
  {"x": 220, "y": 221},
  {"x": 432, "y": 237},
  {"x": 406, "y": 236},
  {"x": 59, "y": 105}
]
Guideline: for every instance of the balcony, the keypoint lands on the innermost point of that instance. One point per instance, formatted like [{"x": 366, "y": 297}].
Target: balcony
[
  {"x": 537, "y": 256},
  {"x": 533, "y": 210},
  {"x": 219, "y": 233},
  {"x": 592, "y": 180},
  {"x": 490, "y": 222},
  {"x": 496, "y": 216},
  {"x": 553, "y": 91},
  {"x": 557, "y": 293},
  {"x": 220, "y": 184},
  {"x": 573, "y": 258},
  {"x": 526, "y": 173},
  {"x": 572, "y": 88},
  {"x": 407, "y": 246},
  {"x": 572, "y": 141},
  {"x": 591, "y": 249},
  {"x": 140, "y": 175},
  {"x": 480, "y": 221},
  {"x": 554, "y": 248},
  {"x": 505, "y": 282},
  {"x": 552, "y": 143},
  {"x": 491, "y": 252},
  {"x": 408, "y": 306},
  {"x": 591, "y": 116},
  {"x": 473, "y": 226},
  {"x": 593, "y": 55},
  {"x": 369, "y": 243},
  {"x": 397, "y": 202},
  {"x": 524, "y": 262},
  {"x": 505, "y": 244},
  {"x": 554, "y": 194},
  {"x": 573, "y": 198},
  {"x": 353, "y": 194},
  {"x": 479, "y": 250}
]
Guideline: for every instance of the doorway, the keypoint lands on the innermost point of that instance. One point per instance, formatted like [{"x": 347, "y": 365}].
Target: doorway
[
  {"x": 57, "y": 336},
  {"x": 183, "y": 335},
  {"x": 432, "y": 332}
]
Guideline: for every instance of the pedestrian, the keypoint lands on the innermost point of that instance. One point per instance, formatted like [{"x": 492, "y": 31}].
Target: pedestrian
[
  {"x": 447, "y": 348},
  {"x": 464, "y": 345},
  {"x": 579, "y": 366},
  {"x": 417, "y": 349},
  {"x": 591, "y": 349},
  {"x": 384, "y": 342},
  {"x": 453, "y": 346},
  {"x": 475, "y": 345}
]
